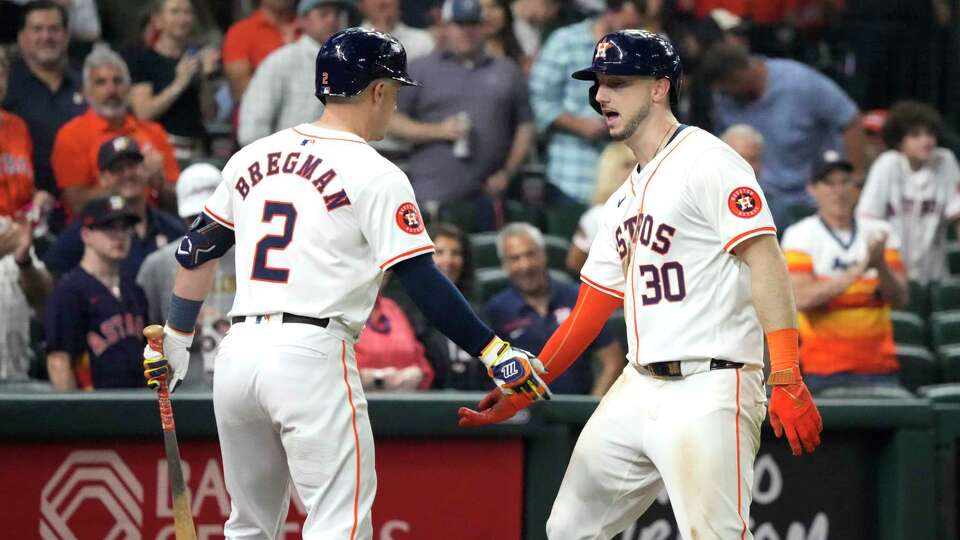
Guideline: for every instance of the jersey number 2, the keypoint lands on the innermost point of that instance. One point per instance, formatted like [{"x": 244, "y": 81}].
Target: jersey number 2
[{"x": 261, "y": 271}]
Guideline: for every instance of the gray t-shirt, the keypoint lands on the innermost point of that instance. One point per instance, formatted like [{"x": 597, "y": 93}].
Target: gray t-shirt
[{"x": 492, "y": 91}]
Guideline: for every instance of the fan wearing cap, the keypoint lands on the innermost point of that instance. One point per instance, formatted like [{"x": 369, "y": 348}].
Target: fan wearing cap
[
  {"x": 846, "y": 274},
  {"x": 95, "y": 315},
  {"x": 195, "y": 185},
  {"x": 471, "y": 122},
  {"x": 120, "y": 161}
]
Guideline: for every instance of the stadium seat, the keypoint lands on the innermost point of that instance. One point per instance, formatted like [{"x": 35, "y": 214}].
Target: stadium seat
[
  {"x": 463, "y": 214},
  {"x": 557, "y": 248},
  {"x": 945, "y": 328},
  {"x": 918, "y": 366},
  {"x": 953, "y": 258},
  {"x": 484, "y": 246},
  {"x": 908, "y": 328},
  {"x": 919, "y": 299},
  {"x": 945, "y": 296},
  {"x": 562, "y": 219},
  {"x": 490, "y": 281},
  {"x": 949, "y": 363}
]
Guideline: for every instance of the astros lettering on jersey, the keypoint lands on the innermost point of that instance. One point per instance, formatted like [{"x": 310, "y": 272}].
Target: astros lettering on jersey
[{"x": 686, "y": 216}]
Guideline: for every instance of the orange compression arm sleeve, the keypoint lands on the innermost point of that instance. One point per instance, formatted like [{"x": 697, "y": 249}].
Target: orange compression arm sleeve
[{"x": 578, "y": 331}]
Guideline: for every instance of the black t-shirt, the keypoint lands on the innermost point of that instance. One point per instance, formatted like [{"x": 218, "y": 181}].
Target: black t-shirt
[{"x": 183, "y": 117}]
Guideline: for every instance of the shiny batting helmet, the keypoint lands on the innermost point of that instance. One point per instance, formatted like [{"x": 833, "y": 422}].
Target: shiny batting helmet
[
  {"x": 634, "y": 53},
  {"x": 353, "y": 58}
]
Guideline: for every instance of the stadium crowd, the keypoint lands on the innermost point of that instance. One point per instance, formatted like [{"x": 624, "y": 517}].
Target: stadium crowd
[{"x": 115, "y": 119}]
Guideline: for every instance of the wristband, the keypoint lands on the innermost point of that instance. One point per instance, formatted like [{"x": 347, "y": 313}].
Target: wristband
[
  {"x": 784, "y": 357},
  {"x": 183, "y": 314},
  {"x": 494, "y": 351}
]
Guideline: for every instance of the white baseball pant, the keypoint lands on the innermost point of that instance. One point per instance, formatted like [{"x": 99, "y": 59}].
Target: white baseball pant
[{"x": 289, "y": 405}]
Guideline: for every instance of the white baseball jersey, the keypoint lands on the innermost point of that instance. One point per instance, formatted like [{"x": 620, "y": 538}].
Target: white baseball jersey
[
  {"x": 318, "y": 216},
  {"x": 919, "y": 204},
  {"x": 685, "y": 295}
]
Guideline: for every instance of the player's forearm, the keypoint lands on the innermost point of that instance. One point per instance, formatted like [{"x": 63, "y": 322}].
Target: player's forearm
[
  {"x": 578, "y": 331},
  {"x": 195, "y": 283},
  {"x": 61, "y": 372},
  {"x": 770, "y": 283}
]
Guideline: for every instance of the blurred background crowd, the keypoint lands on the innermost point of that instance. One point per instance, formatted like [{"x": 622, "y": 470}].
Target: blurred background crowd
[{"x": 116, "y": 116}]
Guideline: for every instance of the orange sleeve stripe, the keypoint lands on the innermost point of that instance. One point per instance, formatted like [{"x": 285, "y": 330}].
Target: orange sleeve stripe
[
  {"x": 225, "y": 222},
  {"x": 748, "y": 234},
  {"x": 612, "y": 292},
  {"x": 577, "y": 332},
  {"x": 406, "y": 255}
]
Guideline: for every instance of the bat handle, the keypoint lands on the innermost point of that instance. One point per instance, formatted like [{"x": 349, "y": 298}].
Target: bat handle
[{"x": 154, "y": 335}]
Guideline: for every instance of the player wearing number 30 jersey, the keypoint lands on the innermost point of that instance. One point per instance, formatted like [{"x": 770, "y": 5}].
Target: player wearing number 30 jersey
[
  {"x": 687, "y": 248},
  {"x": 317, "y": 216}
]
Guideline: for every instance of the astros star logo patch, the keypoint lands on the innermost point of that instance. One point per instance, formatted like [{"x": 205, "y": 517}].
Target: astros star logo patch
[
  {"x": 408, "y": 218},
  {"x": 744, "y": 202}
]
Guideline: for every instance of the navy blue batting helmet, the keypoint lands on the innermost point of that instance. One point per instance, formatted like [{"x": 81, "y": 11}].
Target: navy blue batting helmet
[
  {"x": 636, "y": 53},
  {"x": 353, "y": 58}
]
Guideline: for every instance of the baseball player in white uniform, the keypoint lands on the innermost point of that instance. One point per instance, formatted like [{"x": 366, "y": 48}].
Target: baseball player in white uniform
[
  {"x": 687, "y": 247},
  {"x": 317, "y": 216}
]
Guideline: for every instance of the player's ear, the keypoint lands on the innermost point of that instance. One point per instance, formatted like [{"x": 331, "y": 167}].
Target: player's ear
[
  {"x": 378, "y": 91},
  {"x": 660, "y": 90}
]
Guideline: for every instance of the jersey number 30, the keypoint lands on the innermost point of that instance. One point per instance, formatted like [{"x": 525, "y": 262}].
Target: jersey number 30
[
  {"x": 663, "y": 283},
  {"x": 261, "y": 271}
]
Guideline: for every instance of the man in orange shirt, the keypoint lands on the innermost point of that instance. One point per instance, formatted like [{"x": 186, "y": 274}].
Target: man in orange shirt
[
  {"x": 106, "y": 85},
  {"x": 846, "y": 274},
  {"x": 16, "y": 167},
  {"x": 250, "y": 40}
]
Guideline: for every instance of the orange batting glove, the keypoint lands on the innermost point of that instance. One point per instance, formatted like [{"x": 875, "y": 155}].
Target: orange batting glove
[
  {"x": 792, "y": 410},
  {"x": 494, "y": 408}
]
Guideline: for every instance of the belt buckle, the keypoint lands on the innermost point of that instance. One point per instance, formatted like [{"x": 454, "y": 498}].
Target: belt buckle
[{"x": 674, "y": 369}]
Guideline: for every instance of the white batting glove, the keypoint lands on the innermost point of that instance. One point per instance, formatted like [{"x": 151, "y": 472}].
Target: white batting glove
[
  {"x": 515, "y": 371},
  {"x": 173, "y": 363}
]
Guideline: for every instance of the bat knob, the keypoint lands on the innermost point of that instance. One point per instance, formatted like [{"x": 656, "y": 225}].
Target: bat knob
[{"x": 154, "y": 331}]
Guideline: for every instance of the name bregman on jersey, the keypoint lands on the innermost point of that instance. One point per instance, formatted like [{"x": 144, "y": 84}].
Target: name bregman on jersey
[{"x": 301, "y": 164}]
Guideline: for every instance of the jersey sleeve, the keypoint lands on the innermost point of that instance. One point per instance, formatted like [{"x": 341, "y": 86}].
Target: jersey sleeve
[
  {"x": 604, "y": 267},
  {"x": 728, "y": 196},
  {"x": 390, "y": 220},
  {"x": 876, "y": 190},
  {"x": 219, "y": 207},
  {"x": 796, "y": 252},
  {"x": 63, "y": 321}
]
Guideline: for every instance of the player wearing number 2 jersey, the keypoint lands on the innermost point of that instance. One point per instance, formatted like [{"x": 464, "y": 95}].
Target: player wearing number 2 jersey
[
  {"x": 687, "y": 247},
  {"x": 317, "y": 216}
]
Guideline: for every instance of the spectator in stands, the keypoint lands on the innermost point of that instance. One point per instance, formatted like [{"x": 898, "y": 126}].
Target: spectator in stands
[
  {"x": 94, "y": 318},
  {"x": 616, "y": 163},
  {"x": 43, "y": 89},
  {"x": 121, "y": 164},
  {"x": 16, "y": 150},
  {"x": 454, "y": 159},
  {"x": 846, "y": 275},
  {"x": 873, "y": 129},
  {"x": 533, "y": 20},
  {"x": 915, "y": 187},
  {"x": 747, "y": 142},
  {"x": 106, "y": 85},
  {"x": 24, "y": 287},
  {"x": 85, "y": 27},
  {"x": 276, "y": 97},
  {"x": 384, "y": 15},
  {"x": 799, "y": 111},
  {"x": 498, "y": 28},
  {"x": 576, "y": 133},
  {"x": 250, "y": 40},
  {"x": 195, "y": 185},
  {"x": 171, "y": 79},
  {"x": 535, "y": 305},
  {"x": 389, "y": 357}
]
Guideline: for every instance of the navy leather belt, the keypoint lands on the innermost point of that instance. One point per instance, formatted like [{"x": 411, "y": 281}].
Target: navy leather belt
[
  {"x": 672, "y": 369},
  {"x": 287, "y": 318}
]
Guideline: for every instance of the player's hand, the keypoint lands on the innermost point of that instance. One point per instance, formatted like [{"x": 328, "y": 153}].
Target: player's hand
[
  {"x": 792, "y": 411},
  {"x": 494, "y": 408},
  {"x": 175, "y": 359},
  {"x": 515, "y": 371}
]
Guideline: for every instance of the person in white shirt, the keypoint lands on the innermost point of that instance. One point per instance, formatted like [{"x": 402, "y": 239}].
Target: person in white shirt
[
  {"x": 384, "y": 15},
  {"x": 914, "y": 186},
  {"x": 278, "y": 96}
]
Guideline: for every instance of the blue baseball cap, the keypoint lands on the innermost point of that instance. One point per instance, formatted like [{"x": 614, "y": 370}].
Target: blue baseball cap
[{"x": 462, "y": 12}]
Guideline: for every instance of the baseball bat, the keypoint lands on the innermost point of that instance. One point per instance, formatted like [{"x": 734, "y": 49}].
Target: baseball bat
[{"x": 182, "y": 517}]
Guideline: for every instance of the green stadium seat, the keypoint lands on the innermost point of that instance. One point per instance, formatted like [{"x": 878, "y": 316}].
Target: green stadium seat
[
  {"x": 950, "y": 363},
  {"x": 919, "y": 299},
  {"x": 953, "y": 258},
  {"x": 517, "y": 211},
  {"x": 945, "y": 296},
  {"x": 490, "y": 281},
  {"x": 484, "y": 246},
  {"x": 918, "y": 366},
  {"x": 908, "y": 328},
  {"x": 562, "y": 219},
  {"x": 463, "y": 214},
  {"x": 557, "y": 248},
  {"x": 945, "y": 328}
]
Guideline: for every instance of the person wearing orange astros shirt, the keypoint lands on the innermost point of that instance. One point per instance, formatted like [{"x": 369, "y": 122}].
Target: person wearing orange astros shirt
[
  {"x": 847, "y": 274},
  {"x": 106, "y": 86},
  {"x": 16, "y": 149}
]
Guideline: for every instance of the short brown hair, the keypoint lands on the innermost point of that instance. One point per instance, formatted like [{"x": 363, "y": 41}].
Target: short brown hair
[
  {"x": 467, "y": 274},
  {"x": 906, "y": 115},
  {"x": 723, "y": 60}
]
